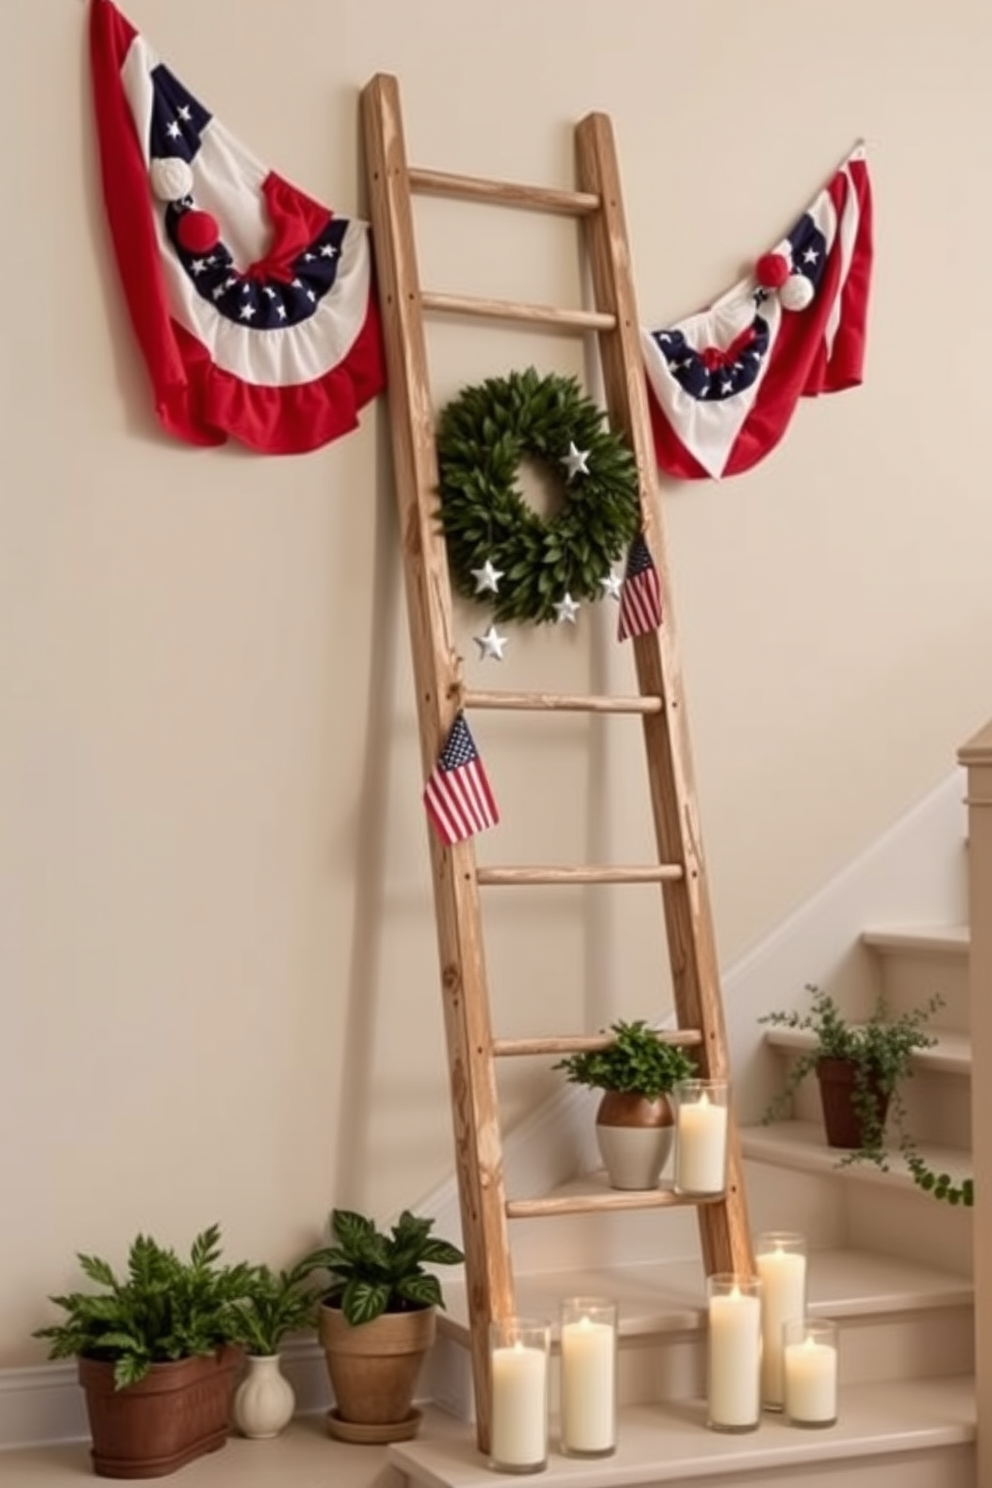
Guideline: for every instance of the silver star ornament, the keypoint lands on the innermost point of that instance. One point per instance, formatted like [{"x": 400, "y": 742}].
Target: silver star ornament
[
  {"x": 491, "y": 645},
  {"x": 566, "y": 610},
  {"x": 576, "y": 462},
  {"x": 486, "y": 578},
  {"x": 612, "y": 585}
]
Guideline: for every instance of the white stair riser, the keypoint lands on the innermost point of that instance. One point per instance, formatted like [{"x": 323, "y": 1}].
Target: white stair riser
[
  {"x": 941, "y": 1467},
  {"x": 910, "y": 1225},
  {"x": 937, "y": 1104},
  {"x": 907, "y": 979},
  {"x": 672, "y": 1366}
]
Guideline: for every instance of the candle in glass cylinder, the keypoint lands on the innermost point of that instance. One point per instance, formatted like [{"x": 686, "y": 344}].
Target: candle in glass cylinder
[
  {"x": 519, "y": 1373},
  {"x": 734, "y": 1353},
  {"x": 701, "y": 1136},
  {"x": 588, "y": 1376},
  {"x": 780, "y": 1258},
  {"x": 809, "y": 1367}
]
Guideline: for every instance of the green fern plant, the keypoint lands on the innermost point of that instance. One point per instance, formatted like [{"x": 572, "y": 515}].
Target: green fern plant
[
  {"x": 164, "y": 1309},
  {"x": 373, "y": 1272},
  {"x": 638, "y": 1061},
  {"x": 277, "y": 1304}
]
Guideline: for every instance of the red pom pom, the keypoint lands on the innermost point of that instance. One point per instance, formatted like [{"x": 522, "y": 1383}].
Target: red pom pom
[
  {"x": 772, "y": 270},
  {"x": 197, "y": 232}
]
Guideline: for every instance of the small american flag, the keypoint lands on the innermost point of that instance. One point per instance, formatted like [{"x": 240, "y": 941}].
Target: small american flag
[
  {"x": 457, "y": 795},
  {"x": 640, "y": 597}
]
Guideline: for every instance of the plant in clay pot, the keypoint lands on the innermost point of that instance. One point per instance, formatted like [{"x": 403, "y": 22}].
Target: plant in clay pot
[
  {"x": 157, "y": 1351},
  {"x": 378, "y": 1320},
  {"x": 860, "y": 1067},
  {"x": 637, "y": 1070},
  {"x": 278, "y": 1303}
]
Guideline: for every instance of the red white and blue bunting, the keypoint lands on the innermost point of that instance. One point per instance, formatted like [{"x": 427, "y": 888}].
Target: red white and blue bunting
[
  {"x": 253, "y": 304},
  {"x": 725, "y": 383}
]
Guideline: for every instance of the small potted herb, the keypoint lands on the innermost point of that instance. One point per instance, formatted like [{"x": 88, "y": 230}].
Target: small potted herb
[
  {"x": 277, "y": 1304},
  {"x": 636, "y": 1071},
  {"x": 859, "y": 1065}
]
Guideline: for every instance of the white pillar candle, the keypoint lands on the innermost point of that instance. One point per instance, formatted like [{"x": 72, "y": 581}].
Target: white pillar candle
[
  {"x": 588, "y": 1379},
  {"x": 734, "y": 1357},
  {"x": 519, "y": 1406},
  {"x": 810, "y": 1373},
  {"x": 700, "y": 1145},
  {"x": 781, "y": 1265}
]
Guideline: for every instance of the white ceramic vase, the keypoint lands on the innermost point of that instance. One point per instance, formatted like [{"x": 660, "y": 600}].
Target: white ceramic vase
[
  {"x": 635, "y": 1138},
  {"x": 264, "y": 1401}
]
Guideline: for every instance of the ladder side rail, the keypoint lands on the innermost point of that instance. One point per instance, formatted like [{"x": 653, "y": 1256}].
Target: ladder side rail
[
  {"x": 478, "y": 1149},
  {"x": 724, "y": 1229}
]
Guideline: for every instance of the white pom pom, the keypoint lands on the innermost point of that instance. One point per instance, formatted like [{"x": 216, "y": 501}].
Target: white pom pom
[
  {"x": 796, "y": 293},
  {"x": 172, "y": 178}
]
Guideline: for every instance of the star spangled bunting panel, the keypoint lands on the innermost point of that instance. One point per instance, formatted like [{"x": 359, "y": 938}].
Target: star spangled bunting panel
[
  {"x": 253, "y": 304},
  {"x": 725, "y": 383}
]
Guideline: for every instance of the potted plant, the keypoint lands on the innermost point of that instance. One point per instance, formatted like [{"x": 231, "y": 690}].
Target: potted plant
[
  {"x": 859, "y": 1067},
  {"x": 157, "y": 1351},
  {"x": 636, "y": 1071},
  {"x": 277, "y": 1304},
  {"x": 378, "y": 1320}
]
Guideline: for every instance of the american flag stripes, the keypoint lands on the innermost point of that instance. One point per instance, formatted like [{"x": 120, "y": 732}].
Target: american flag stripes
[
  {"x": 640, "y": 596},
  {"x": 457, "y": 795}
]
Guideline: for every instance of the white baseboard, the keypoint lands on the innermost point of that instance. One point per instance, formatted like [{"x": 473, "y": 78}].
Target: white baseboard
[
  {"x": 915, "y": 873},
  {"x": 44, "y": 1405}
]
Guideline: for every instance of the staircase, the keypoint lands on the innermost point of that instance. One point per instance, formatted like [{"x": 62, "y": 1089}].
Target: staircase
[{"x": 892, "y": 1265}]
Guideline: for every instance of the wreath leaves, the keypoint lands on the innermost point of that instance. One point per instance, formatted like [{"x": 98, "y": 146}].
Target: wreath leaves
[{"x": 482, "y": 437}]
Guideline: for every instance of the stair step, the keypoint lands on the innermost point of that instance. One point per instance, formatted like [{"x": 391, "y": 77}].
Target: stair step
[
  {"x": 932, "y": 940},
  {"x": 801, "y": 1145},
  {"x": 902, "y": 1434},
  {"x": 950, "y": 1055},
  {"x": 903, "y": 1318}
]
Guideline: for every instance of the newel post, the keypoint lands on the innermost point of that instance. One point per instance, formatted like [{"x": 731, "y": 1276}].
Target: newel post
[{"x": 976, "y": 757}]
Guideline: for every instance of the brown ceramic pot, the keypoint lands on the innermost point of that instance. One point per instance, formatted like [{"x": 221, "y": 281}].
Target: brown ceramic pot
[
  {"x": 841, "y": 1121},
  {"x": 635, "y": 1138},
  {"x": 176, "y": 1413}
]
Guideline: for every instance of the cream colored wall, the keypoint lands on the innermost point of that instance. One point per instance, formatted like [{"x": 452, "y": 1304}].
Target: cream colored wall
[{"x": 218, "y": 959}]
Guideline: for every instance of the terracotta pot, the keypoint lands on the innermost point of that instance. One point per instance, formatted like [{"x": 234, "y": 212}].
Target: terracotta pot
[
  {"x": 176, "y": 1413},
  {"x": 374, "y": 1367},
  {"x": 635, "y": 1138},
  {"x": 841, "y": 1120}
]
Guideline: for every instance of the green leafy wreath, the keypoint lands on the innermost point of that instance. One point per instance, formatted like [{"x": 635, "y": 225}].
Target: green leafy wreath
[{"x": 482, "y": 437}]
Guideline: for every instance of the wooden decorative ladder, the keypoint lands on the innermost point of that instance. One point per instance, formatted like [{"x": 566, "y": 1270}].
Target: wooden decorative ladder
[{"x": 441, "y": 694}]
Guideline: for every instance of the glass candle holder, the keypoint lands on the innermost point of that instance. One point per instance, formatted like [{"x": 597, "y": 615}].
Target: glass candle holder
[
  {"x": 733, "y": 1377},
  {"x": 518, "y": 1364},
  {"x": 809, "y": 1369},
  {"x": 780, "y": 1260},
  {"x": 588, "y": 1378},
  {"x": 701, "y": 1136}
]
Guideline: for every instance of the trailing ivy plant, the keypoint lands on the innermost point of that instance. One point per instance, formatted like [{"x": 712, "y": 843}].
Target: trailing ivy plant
[
  {"x": 880, "y": 1050},
  {"x": 638, "y": 1061},
  {"x": 940, "y": 1185},
  {"x": 163, "y": 1309},
  {"x": 373, "y": 1272}
]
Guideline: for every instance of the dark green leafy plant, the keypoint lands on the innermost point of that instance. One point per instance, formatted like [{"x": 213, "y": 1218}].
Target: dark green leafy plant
[
  {"x": 483, "y": 435},
  {"x": 940, "y": 1185},
  {"x": 880, "y": 1049},
  {"x": 277, "y": 1303},
  {"x": 373, "y": 1272},
  {"x": 637, "y": 1062},
  {"x": 164, "y": 1309}
]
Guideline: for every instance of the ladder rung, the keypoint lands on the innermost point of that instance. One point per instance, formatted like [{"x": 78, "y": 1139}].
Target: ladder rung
[
  {"x": 552, "y": 315},
  {"x": 652, "y": 873},
  {"x": 504, "y": 193},
  {"x": 577, "y": 1043},
  {"x": 559, "y": 702},
  {"x": 591, "y": 1203}
]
